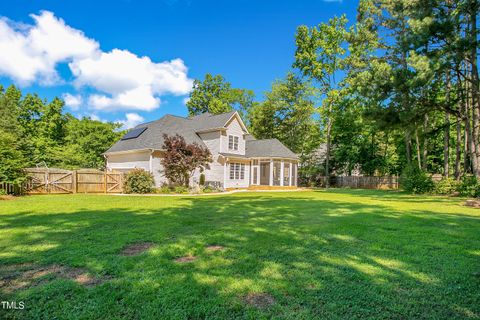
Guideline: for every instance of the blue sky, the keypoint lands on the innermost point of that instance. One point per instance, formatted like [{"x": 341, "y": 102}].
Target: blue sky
[{"x": 101, "y": 52}]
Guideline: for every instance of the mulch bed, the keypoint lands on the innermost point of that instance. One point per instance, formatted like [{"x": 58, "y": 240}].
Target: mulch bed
[
  {"x": 136, "y": 248},
  {"x": 215, "y": 248},
  {"x": 186, "y": 259},
  {"x": 21, "y": 276},
  {"x": 7, "y": 197},
  {"x": 473, "y": 203},
  {"x": 260, "y": 300}
]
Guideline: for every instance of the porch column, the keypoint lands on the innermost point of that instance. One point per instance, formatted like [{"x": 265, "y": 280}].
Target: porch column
[
  {"x": 282, "y": 169},
  {"x": 290, "y": 175},
  {"x": 271, "y": 173},
  {"x": 252, "y": 170}
]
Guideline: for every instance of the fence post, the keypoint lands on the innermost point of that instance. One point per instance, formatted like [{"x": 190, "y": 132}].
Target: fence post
[
  {"x": 74, "y": 181},
  {"x": 47, "y": 188},
  {"x": 105, "y": 181}
]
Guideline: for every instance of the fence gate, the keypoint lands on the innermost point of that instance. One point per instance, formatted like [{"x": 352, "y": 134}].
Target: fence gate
[
  {"x": 114, "y": 182},
  {"x": 49, "y": 181},
  {"x": 43, "y": 180}
]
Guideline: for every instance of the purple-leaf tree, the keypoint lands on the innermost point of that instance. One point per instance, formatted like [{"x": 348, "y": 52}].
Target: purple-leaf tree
[{"x": 181, "y": 159}]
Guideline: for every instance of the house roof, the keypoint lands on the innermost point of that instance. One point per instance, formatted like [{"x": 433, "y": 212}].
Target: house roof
[
  {"x": 268, "y": 148},
  {"x": 152, "y": 137},
  {"x": 207, "y": 121}
]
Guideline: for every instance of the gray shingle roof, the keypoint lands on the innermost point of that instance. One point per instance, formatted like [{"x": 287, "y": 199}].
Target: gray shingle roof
[
  {"x": 268, "y": 148},
  {"x": 152, "y": 138},
  {"x": 207, "y": 121}
]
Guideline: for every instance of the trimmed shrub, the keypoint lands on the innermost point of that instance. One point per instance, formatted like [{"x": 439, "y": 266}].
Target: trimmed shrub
[
  {"x": 209, "y": 189},
  {"x": 202, "y": 179},
  {"x": 415, "y": 180},
  {"x": 181, "y": 189},
  {"x": 446, "y": 186},
  {"x": 469, "y": 187},
  {"x": 165, "y": 189},
  {"x": 138, "y": 181}
]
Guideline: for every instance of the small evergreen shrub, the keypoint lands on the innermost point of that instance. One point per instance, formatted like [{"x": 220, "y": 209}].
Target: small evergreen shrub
[
  {"x": 202, "y": 179},
  {"x": 181, "y": 189},
  {"x": 469, "y": 187},
  {"x": 207, "y": 190},
  {"x": 415, "y": 180},
  {"x": 165, "y": 189},
  {"x": 138, "y": 181},
  {"x": 3, "y": 192},
  {"x": 446, "y": 186}
]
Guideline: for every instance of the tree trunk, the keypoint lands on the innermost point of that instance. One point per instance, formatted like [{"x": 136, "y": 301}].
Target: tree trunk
[
  {"x": 417, "y": 141},
  {"x": 408, "y": 146},
  {"x": 446, "y": 145},
  {"x": 424, "y": 144},
  {"x": 458, "y": 150},
  {"x": 446, "y": 135},
  {"x": 327, "y": 155},
  {"x": 471, "y": 145},
  {"x": 474, "y": 85}
]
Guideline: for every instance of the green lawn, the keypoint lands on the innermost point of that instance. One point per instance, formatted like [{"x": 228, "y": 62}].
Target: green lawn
[{"x": 337, "y": 254}]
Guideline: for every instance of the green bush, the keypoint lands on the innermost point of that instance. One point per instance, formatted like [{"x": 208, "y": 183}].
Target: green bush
[
  {"x": 138, "y": 181},
  {"x": 415, "y": 180},
  {"x": 165, "y": 189},
  {"x": 469, "y": 187},
  {"x": 3, "y": 192},
  {"x": 181, "y": 189},
  {"x": 202, "y": 179},
  {"x": 446, "y": 186}
]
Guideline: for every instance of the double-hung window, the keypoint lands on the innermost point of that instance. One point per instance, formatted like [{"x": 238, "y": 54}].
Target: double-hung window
[
  {"x": 232, "y": 142},
  {"x": 237, "y": 171}
]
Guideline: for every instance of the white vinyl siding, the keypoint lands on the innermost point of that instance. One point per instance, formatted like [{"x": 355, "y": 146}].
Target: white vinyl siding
[
  {"x": 212, "y": 141},
  {"x": 128, "y": 161},
  {"x": 233, "y": 129}
]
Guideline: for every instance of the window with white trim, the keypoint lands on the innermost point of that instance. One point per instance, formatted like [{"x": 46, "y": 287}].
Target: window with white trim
[
  {"x": 237, "y": 171},
  {"x": 232, "y": 142}
]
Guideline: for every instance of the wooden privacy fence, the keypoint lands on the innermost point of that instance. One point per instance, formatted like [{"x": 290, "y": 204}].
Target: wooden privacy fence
[
  {"x": 42, "y": 180},
  {"x": 9, "y": 188},
  {"x": 367, "y": 182},
  {"x": 361, "y": 182}
]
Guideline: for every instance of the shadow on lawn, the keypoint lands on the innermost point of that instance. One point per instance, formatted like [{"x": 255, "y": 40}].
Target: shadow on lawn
[
  {"x": 317, "y": 258},
  {"x": 395, "y": 195}
]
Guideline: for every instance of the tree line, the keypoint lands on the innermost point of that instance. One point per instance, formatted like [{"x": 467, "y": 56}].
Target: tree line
[
  {"x": 35, "y": 132},
  {"x": 398, "y": 87},
  {"x": 394, "y": 89}
]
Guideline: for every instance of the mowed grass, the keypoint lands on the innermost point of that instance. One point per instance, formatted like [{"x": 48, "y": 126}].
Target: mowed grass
[{"x": 323, "y": 254}]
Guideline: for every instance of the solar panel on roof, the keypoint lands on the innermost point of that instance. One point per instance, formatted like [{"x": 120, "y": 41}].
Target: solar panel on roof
[{"x": 134, "y": 133}]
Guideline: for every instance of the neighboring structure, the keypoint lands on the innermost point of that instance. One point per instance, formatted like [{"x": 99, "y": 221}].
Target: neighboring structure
[{"x": 239, "y": 160}]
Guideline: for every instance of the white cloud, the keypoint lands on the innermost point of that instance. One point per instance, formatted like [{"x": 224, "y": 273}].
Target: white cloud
[
  {"x": 185, "y": 100},
  {"x": 131, "y": 120},
  {"x": 31, "y": 52},
  {"x": 72, "y": 101},
  {"x": 123, "y": 80},
  {"x": 129, "y": 81}
]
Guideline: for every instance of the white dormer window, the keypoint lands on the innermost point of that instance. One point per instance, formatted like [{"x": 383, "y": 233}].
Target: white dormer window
[{"x": 232, "y": 142}]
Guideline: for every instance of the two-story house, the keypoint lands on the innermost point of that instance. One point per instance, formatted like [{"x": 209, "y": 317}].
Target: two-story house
[{"x": 239, "y": 160}]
